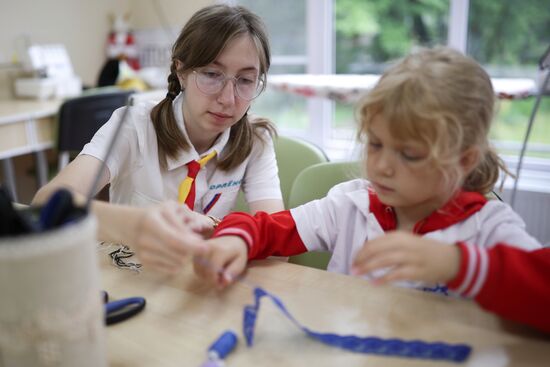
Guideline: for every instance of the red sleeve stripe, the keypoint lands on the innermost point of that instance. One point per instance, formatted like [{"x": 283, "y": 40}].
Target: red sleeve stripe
[
  {"x": 236, "y": 232},
  {"x": 481, "y": 274},
  {"x": 472, "y": 262},
  {"x": 476, "y": 270}
]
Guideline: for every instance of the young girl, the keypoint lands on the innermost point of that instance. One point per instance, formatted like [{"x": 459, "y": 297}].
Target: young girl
[
  {"x": 198, "y": 146},
  {"x": 509, "y": 281},
  {"x": 429, "y": 165}
]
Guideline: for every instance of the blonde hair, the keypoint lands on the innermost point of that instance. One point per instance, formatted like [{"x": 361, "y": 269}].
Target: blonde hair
[
  {"x": 444, "y": 100},
  {"x": 201, "y": 40}
]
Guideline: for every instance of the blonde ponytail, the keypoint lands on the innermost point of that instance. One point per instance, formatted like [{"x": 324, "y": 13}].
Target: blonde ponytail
[{"x": 483, "y": 178}]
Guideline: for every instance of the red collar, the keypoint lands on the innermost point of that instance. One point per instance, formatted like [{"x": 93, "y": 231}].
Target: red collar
[{"x": 462, "y": 206}]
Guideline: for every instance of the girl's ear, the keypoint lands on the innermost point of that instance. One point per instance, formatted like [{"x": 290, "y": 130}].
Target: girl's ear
[
  {"x": 469, "y": 160},
  {"x": 179, "y": 74}
]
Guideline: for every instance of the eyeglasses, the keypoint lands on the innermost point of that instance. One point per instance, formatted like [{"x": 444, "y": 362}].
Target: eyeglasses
[{"x": 212, "y": 81}]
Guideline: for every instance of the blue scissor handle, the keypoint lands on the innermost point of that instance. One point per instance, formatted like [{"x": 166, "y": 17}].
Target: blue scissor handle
[
  {"x": 56, "y": 209},
  {"x": 59, "y": 210},
  {"x": 122, "y": 309}
]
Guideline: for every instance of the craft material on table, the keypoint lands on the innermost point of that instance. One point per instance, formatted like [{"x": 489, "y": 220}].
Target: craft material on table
[
  {"x": 370, "y": 345},
  {"x": 220, "y": 349}
]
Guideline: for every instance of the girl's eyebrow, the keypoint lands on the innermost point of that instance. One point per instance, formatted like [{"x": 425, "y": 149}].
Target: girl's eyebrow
[{"x": 246, "y": 68}]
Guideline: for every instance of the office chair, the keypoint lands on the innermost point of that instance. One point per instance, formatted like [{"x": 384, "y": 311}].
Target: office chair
[
  {"x": 81, "y": 117},
  {"x": 312, "y": 183}
]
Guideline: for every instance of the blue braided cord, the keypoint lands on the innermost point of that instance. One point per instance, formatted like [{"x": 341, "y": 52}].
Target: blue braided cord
[{"x": 353, "y": 343}]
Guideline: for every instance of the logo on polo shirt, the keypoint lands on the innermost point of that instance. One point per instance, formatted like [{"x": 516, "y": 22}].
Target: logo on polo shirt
[{"x": 224, "y": 185}]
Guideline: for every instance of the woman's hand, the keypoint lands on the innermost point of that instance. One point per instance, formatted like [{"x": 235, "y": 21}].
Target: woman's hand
[
  {"x": 224, "y": 260},
  {"x": 408, "y": 257},
  {"x": 199, "y": 223},
  {"x": 164, "y": 237}
]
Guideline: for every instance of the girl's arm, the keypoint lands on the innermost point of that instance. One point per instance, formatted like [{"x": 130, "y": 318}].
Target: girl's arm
[
  {"x": 161, "y": 235},
  {"x": 265, "y": 234},
  {"x": 77, "y": 177},
  {"x": 268, "y": 206},
  {"x": 261, "y": 183},
  {"x": 241, "y": 236},
  {"x": 506, "y": 280},
  {"x": 511, "y": 282}
]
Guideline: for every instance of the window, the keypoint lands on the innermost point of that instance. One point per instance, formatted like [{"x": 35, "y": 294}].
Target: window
[
  {"x": 371, "y": 34},
  {"x": 508, "y": 38},
  {"x": 286, "y": 24},
  {"x": 368, "y": 34}
]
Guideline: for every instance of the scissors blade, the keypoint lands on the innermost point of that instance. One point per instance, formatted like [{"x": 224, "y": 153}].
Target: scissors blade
[{"x": 123, "y": 309}]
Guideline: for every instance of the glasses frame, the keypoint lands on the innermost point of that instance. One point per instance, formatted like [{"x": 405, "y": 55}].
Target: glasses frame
[{"x": 260, "y": 88}]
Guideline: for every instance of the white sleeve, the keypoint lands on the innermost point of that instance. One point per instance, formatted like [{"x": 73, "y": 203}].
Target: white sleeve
[
  {"x": 323, "y": 223},
  {"x": 316, "y": 223},
  {"x": 122, "y": 153},
  {"x": 500, "y": 224},
  {"x": 261, "y": 180}
]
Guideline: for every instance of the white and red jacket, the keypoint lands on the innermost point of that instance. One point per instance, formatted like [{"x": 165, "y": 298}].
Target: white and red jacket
[
  {"x": 511, "y": 282},
  {"x": 351, "y": 214}
]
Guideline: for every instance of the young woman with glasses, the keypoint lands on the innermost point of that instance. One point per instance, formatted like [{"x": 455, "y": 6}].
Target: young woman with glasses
[{"x": 187, "y": 157}]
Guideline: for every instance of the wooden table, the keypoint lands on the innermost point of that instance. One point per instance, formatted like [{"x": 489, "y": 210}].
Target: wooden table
[
  {"x": 184, "y": 316},
  {"x": 26, "y": 126}
]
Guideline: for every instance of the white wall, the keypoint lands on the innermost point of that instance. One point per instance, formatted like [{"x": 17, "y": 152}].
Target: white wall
[
  {"x": 148, "y": 13},
  {"x": 81, "y": 25}
]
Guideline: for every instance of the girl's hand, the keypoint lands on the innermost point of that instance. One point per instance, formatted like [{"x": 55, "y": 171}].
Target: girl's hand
[
  {"x": 224, "y": 260},
  {"x": 164, "y": 239},
  {"x": 408, "y": 257},
  {"x": 199, "y": 223}
]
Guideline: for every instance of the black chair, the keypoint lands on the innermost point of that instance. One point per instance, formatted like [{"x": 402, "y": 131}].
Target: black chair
[{"x": 81, "y": 117}]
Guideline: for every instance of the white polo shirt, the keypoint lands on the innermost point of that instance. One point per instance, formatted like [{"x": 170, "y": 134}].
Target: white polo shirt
[{"x": 137, "y": 178}]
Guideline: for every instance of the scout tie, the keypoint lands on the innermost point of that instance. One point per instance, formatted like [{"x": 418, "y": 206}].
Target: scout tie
[{"x": 186, "y": 191}]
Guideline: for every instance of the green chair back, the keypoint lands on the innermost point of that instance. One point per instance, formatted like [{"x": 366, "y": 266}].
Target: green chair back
[
  {"x": 313, "y": 183},
  {"x": 293, "y": 156}
]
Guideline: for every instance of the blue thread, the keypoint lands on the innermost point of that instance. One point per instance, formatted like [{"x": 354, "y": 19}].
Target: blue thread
[
  {"x": 371, "y": 345},
  {"x": 436, "y": 289}
]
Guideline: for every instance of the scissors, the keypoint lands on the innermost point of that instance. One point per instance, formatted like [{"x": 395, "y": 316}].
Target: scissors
[
  {"x": 122, "y": 309},
  {"x": 60, "y": 209}
]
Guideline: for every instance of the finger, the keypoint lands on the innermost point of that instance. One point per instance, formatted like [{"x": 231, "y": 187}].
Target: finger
[
  {"x": 160, "y": 263},
  {"x": 379, "y": 245},
  {"x": 181, "y": 240},
  {"x": 369, "y": 249},
  {"x": 199, "y": 267},
  {"x": 234, "y": 269},
  {"x": 378, "y": 261},
  {"x": 400, "y": 273},
  {"x": 200, "y": 226},
  {"x": 221, "y": 260},
  {"x": 206, "y": 270},
  {"x": 175, "y": 216},
  {"x": 152, "y": 244}
]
